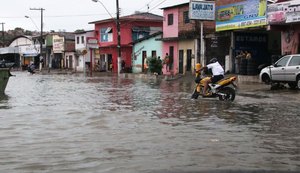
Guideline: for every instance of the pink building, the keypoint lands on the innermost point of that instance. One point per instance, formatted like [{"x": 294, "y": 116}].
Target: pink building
[{"x": 181, "y": 39}]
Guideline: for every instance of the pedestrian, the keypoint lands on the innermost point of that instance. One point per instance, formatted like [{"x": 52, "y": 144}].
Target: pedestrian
[
  {"x": 159, "y": 65},
  {"x": 123, "y": 66},
  {"x": 241, "y": 55},
  {"x": 248, "y": 55},
  {"x": 167, "y": 62}
]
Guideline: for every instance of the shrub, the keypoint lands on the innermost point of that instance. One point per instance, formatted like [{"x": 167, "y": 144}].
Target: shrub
[{"x": 154, "y": 65}]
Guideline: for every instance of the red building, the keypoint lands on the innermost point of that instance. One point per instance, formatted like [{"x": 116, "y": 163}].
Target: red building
[{"x": 132, "y": 27}]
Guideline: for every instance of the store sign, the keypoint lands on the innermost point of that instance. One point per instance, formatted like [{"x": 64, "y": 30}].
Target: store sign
[
  {"x": 201, "y": 10},
  {"x": 285, "y": 12},
  {"x": 92, "y": 42},
  {"x": 245, "y": 14},
  {"x": 31, "y": 49},
  {"x": 58, "y": 44}
]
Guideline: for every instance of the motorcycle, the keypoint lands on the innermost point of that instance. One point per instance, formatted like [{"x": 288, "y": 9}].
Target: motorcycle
[
  {"x": 224, "y": 89},
  {"x": 31, "y": 69}
]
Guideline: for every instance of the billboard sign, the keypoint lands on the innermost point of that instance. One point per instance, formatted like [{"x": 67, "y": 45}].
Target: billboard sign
[
  {"x": 245, "y": 14},
  {"x": 285, "y": 12},
  {"x": 58, "y": 44},
  {"x": 202, "y": 10}
]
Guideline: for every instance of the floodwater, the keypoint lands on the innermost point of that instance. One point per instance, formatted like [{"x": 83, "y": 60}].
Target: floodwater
[{"x": 106, "y": 124}]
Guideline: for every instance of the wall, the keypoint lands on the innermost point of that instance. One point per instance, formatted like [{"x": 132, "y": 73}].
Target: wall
[
  {"x": 170, "y": 30},
  {"x": 185, "y": 26},
  {"x": 185, "y": 45}
]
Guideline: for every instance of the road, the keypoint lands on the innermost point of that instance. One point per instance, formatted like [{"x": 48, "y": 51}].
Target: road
[{"x": 71, "y": 123}]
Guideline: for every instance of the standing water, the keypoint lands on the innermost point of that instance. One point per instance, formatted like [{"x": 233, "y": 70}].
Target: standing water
[{"x": 106, "y": 124}]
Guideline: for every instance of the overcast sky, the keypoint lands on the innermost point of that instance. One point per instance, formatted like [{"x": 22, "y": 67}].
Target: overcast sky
[{"x": 70, "y": 15}]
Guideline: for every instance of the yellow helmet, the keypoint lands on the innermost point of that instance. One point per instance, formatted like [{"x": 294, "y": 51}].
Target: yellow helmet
[{"x": 198, "y": 66}]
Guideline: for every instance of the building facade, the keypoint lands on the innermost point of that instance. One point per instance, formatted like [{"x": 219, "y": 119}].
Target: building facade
[
  {"x": 150, "y": 46},
  {"x": 182, "y": 40},
  {"x": 246, "y": 23},
  {"x": 132, "y": 27},
  {"x": 60, "y": 50},
  {"x": 86, "y": 45}
]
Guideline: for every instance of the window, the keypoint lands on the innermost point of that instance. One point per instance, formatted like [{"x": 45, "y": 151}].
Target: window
[
  {"x": 295, "y": 61},
  {"x": 106, "y": 34},
  {"x": 282, "y": 62},
  {"x": 140, "y": 32},
  {"x": 77, "y": 40},
  {"x": 186, "y": 18},
  {"x": 170, "y": 19},
  {"x": 82, "y": 39}
]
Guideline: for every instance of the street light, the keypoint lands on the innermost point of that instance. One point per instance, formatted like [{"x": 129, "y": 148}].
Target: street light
[
  {"x": 28, "y": 17},
  {"x": 3, "y": 44},
  {"x": 41, "y": 35},
  {"x": 117, "y": 20}
]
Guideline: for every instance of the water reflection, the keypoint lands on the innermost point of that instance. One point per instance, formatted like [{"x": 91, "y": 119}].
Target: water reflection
[{"x": 68, "y": 123}]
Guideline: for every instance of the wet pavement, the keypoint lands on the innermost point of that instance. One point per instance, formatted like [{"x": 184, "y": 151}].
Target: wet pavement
[{"x": 106, "y": 124}]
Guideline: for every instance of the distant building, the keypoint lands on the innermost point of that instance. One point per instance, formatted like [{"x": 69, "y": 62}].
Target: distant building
[
  {"x": 21, "y": 51},
  {"x": 60, "y": 50},
  {"x": 150, "y": 46},
  {"x": 86, "y": 46}
]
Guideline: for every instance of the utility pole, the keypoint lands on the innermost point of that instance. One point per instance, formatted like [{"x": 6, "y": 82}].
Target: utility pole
[
  {"x": 119, "y": 36},
  {"x": 41, "y": 35},
  {"x": 2, "y": 34}
]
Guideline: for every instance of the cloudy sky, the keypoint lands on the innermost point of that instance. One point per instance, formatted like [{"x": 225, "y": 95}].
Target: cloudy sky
[{"x": 70, "y": 15}]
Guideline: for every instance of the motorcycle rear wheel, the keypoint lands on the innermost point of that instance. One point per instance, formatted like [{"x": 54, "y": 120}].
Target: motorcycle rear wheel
[{"x": 227, "y": 94}]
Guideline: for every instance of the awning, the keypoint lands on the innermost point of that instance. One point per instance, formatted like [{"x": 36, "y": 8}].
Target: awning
[
  {"x": 30, "y": 55},
  {"x": 7, "y": 50}
]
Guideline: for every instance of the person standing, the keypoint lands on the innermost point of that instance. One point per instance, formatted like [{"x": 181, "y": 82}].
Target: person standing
[
  {"x": 167, "y": 62},
  {"x": 248, "y": 55},
  {"x": 159, "y": 65},
  {"x": 238, "y": 59}
]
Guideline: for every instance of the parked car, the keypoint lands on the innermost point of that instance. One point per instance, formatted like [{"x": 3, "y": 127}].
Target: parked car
[{"x": 285, "y": 70}]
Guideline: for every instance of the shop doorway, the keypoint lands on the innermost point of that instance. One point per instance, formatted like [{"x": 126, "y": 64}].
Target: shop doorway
[
  {"x": 189, "y": 60},
  {"x": 181, "y": 52},
  {"x": 109, "y": 62}
]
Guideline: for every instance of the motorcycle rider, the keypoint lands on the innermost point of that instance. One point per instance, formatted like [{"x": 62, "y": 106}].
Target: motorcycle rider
[{"x": 217, "y": 74}]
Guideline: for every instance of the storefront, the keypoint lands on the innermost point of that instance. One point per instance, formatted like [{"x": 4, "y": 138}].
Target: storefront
[
  {"x": 285, "y": 17},
  {"x": 247, "y": 23},
  {"x": 58, "y": 50}
]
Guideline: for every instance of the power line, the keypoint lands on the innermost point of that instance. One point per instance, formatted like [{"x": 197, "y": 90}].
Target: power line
[
  {"x": 68, "y": 15},
  {"x": 157, "y": 5}
]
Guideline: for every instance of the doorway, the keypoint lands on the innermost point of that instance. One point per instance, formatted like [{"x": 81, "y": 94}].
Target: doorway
[
  {"x": 181, "y": 52},
  {"x": 144, "y": 61},
  {"x": 171, "y": 54},
  {"x": 109, "y": 62}
]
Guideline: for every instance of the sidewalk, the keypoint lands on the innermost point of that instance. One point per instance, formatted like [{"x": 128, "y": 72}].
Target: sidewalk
[{"x": 167, "y": 77}]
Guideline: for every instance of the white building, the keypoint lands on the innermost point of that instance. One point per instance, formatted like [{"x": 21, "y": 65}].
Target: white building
[
  {"x": 87, "y": 52},
  {"x": 22, "y": 50}
]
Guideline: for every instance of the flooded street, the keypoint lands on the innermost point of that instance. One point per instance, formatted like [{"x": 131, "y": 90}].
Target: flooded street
[{"x": 105, "y": 124}]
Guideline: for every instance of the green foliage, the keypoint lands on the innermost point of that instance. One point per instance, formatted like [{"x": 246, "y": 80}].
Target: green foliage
[{"x": 154, "y": 64}]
